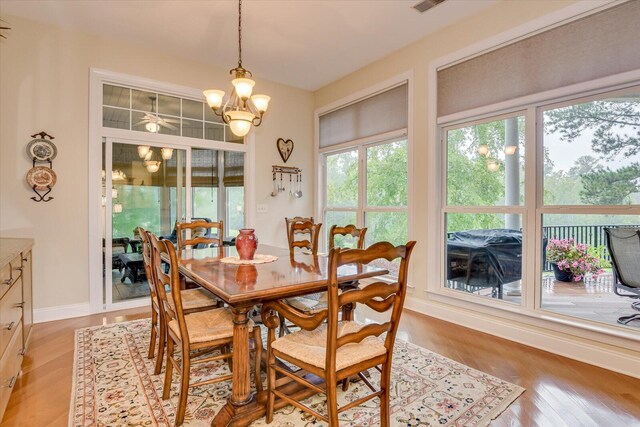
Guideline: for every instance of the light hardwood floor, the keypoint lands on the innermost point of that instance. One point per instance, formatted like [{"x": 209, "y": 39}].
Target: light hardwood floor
[{"x": 560, "y": 392}]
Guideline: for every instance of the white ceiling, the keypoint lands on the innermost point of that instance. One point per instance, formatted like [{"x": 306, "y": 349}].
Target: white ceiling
[{"x": 303, "y": 43}]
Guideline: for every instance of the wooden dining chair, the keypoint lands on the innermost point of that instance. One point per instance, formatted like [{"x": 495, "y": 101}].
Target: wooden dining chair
[
  {"x": 347, "y": 230},
  {"x": 201, "y": 234},
  {"x": 195, "y": 334},
  {"x": 193, "y": 300},
  {"x": 312, "y": 303},
  {"x": 157, "y": 318},
  {"x": 298, "y": 226},
  {"x": 336, "y": 350}
]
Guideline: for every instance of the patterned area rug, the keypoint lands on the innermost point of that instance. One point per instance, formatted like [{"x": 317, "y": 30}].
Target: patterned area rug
[{"x": 114, "y": 385}]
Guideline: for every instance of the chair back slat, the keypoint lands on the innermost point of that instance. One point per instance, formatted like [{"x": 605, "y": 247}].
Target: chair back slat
[
  {"x": 194, "y": 240},
  {"x": 348, "y": 230},
  {"x": 624, "y": 246},
  {"x": 377, "y": 289},
  {"x": 373, "y": 329},
  {"x": 382, "y": 305},
  {"x": 380, "y": 295},
  {"x": 302, "y": 226}
]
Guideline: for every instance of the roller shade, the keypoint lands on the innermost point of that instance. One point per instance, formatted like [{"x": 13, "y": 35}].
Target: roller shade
[
  {"x": 599, "y": 45},
  {"x": 204, "y": 168},
  {"x": 233, "y": 169},
  {"x": 384, "y": 112}
]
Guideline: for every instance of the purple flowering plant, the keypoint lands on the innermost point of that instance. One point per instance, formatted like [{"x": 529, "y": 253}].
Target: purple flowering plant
[{"x": 578, "y": 258}]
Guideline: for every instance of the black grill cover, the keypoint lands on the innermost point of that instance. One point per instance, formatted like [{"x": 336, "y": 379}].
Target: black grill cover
[{"x": 485, "y": 258}]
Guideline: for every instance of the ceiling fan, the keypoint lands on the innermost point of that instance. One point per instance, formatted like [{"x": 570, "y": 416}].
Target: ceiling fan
[{"x": 152, "y": 122}]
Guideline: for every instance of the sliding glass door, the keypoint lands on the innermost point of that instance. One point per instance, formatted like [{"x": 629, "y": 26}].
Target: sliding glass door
[{"x": 153, "y": 187}]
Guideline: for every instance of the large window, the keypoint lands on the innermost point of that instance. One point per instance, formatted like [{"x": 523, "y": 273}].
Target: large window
[
  {"x": 374, "y": 195},
  {"x": 364, "y": 153},
  {"x": 587, "y": 179},
  {"x": 484, "y": 207}
]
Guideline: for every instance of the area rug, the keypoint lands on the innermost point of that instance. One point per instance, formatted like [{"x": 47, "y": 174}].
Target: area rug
[{"x": 114, "y": 385}]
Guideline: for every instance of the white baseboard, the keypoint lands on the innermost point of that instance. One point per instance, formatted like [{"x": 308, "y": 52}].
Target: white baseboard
[
  {"x": 583, "y": 350},
  {"x": 48, "y": 314}
]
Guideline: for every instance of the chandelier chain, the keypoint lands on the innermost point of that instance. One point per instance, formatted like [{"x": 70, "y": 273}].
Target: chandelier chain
[{"x": 240, "y": 33}]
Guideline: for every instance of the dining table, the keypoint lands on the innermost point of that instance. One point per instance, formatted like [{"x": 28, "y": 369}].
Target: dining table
[{"x": 242, "y": 288}]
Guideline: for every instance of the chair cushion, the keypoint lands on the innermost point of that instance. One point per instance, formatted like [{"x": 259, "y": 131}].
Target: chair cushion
[
  {"x": 309, "y": 304},
  {"x": 194, "y": 298},
  {"x": 310, "y": 346},
  {"x": 207, "y": 325}
]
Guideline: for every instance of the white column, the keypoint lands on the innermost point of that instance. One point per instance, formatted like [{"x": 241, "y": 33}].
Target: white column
[{"x": 512, "y": 171}]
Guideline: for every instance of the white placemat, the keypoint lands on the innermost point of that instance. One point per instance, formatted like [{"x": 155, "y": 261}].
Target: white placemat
[{"x": 257, "y": 259}]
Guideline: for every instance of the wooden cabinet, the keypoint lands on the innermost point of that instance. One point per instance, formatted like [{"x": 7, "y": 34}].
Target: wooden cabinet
[{"x": 16, "y": 313}]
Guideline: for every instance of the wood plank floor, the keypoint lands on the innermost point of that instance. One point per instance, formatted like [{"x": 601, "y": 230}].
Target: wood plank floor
[{"x": 560, "y": 392}]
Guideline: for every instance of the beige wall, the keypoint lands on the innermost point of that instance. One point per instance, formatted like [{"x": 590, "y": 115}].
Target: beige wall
[
  {"x": 416, "y": 58},
  {"x": 44, "y": 85}
]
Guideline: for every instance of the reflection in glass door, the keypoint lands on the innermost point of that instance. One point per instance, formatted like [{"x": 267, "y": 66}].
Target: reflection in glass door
[{"x": 146, "y": 189}]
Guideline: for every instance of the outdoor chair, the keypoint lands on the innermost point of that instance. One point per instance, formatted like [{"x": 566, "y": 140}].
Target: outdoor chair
[{"x": 624, "y": 247}]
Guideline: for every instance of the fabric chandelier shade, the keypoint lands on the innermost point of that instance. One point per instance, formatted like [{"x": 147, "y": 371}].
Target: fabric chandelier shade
[
  {"x": 596, "y": 46},
  {"x": 384, "y": 112}
]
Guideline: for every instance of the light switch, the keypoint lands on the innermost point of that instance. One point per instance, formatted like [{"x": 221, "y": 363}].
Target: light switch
[{"x": 262, "y": 208}]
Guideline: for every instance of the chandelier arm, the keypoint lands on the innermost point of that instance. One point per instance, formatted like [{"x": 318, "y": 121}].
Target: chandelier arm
[{"x": 257, "y": 120}]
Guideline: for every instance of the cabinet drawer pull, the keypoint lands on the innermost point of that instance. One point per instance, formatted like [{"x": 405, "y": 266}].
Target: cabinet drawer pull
[
  {"x": 6, "y": 282},
  {"x": 10, "y": 326},
  {"x": 22, "y": 351},
  {"x": 25, "y": 259},
  {"x": 12, "y": 382},
  {"x": 20, "y": 304},
  {"x": 19, "y": 268}
]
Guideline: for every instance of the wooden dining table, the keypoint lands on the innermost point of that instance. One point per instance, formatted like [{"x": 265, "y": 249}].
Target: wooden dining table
[{"x": 242, "y": 287}]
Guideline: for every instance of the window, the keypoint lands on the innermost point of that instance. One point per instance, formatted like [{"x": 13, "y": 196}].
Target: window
[
  {"x": 144, "y": 111},
  {"x": 364, "y": 153},
  {"x": 591, "y": 164},
  {"x": 588, "y": 158},
  {"x": 367, "y": 186},
  {"x": 484, "y": 207}
]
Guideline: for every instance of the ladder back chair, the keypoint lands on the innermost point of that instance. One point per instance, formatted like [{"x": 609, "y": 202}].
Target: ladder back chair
[
  {"x": 336, "y": 350},
  {"x": 318, "y": 301},
  {"x": 158, "y": 331},
  {"x": 349, "y": 230},
  {"x": 193, "y": 300},
  {"x": 302, "y": 226},
  {"x": 196, "y": 334},
  {"x": 200, "y": 237},
  {"x": 201, "y": 234},
  {"x": 623, "y": 244}
]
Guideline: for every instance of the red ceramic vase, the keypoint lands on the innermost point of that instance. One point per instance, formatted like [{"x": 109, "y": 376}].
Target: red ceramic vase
[{"x": 246, "y": 243}]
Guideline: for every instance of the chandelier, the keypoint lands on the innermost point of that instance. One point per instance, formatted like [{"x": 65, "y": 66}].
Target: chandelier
[{"x": 241, "y": 109}]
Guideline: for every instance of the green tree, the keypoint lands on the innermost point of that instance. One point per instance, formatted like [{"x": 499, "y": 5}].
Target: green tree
[{"x": 615, "y": 124}]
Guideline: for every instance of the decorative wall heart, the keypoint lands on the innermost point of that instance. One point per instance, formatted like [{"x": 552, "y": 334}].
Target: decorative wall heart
[{"x": 285, "y": 148}]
